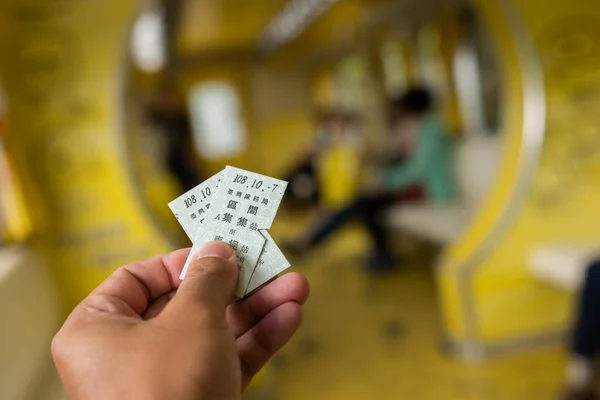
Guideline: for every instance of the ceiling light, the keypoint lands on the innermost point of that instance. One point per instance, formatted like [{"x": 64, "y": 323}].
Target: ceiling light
[{"x": 291, "y": 21}]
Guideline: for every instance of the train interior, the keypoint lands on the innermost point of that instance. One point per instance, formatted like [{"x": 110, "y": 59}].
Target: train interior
[{"x": 111, "y": 109}]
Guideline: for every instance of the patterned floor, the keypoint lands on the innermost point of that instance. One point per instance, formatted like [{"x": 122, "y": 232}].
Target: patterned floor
[{"x": 367, "y": 337}]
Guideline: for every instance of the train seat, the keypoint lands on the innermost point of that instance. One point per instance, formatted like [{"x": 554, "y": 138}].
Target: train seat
[
  {"x": 477, "y": 157},
  {"x": 562, "y": 265}
]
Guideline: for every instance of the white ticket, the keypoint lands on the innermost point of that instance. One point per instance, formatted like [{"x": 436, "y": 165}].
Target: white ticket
[
  {"x": 191, "y": 208},
  {"x": 272, "y": 262},
  {"x": 236, "y": 207}
]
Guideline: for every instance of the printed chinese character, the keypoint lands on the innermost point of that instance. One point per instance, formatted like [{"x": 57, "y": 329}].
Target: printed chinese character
[
  {"x": 202, "y": 221},
  {"x": 265, "y": 201},
  {"x": 193, "y": 216},
  {"x": 232, "y": 205},
  {"x": 243, "y": 222},
  {"x": 230, "y": 191},
  {"x": 232, "y": 231},
  {"x": 256, "y": 199},
  {"x": 234, "y": 244},
  {"x": 201, "y": 211},
  {"x": 254, "y": 227},
  {"x": 245, "y": 249},
  {"x": 242, "y": 260},
  {"x": 239, "y": 194},
  {"x": 247, "y": 197},
  {"x": 218, "y": 217},
  {"x": 261, "y": 262},
  {"x": 253, "y": 210},
  {"x": 208, "y": 206},
  {"x": 219, "y": 238},
  {"x": 227, "y": 218}
]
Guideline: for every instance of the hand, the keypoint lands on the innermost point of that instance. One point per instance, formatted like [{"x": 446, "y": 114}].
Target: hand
[{"x": 143, "y": 334}]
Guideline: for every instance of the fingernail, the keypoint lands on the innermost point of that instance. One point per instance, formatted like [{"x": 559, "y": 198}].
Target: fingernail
[{"x": 215, "y": 250}]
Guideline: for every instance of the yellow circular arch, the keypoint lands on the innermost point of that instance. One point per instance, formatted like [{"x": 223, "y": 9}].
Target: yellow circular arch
[{"x": 490, "y": 301}]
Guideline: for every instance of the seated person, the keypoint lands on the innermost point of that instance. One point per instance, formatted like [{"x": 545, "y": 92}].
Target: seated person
[
  {"x": 339, "y": 166},
  {"x": 303, "y": 187},
  {"x": 424, "y": 174},
  {"x": 580, "y": 376}
]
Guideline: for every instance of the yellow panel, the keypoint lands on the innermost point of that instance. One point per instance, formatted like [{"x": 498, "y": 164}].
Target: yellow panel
[
  {"x": 450, "y": 35},
  {"x": 338, "y": 28},
  {"x": 278, "y": 141},
  {"x": 324, "y": 88},
  {"x": 61, "y": 71},
  {"x": 223, "y": 25}
]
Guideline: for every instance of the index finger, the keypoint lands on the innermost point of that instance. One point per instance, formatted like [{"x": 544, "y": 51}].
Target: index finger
[{"x": 142, "y": 282}]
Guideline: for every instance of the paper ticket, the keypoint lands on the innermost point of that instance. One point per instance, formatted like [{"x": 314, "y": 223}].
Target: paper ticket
[
  {"x": 272, "y": 262},
  {"x": 240, "y": 206},
  {"x": 191, "y": 208},
  {"x": 245, "y": 203}
]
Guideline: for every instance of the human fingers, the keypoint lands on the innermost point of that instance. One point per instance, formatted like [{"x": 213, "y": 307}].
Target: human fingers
[
  {"x": 209, "y": 284},
  {"x": 264, "y": 339},
  {"x": 243, "y": 315},
  {"x": 131, "y": 288},
  {"x": 158, "y": 305}
]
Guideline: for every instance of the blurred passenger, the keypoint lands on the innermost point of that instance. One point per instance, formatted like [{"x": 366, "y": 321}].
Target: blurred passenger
[
  {"x": 170, "y": 115},
  {"x": 580, "y": 375},
  {"x": 417, "y": 167},
  {"x": 339, "y": 165},
  {"x": 303, "y": 178}
]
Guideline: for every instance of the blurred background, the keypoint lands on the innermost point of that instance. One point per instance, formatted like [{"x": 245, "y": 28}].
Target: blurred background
[{"x": 444, "y": 167}]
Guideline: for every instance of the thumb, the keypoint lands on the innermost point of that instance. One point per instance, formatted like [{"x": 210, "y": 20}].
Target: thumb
[{"x": 210, "y": 282}]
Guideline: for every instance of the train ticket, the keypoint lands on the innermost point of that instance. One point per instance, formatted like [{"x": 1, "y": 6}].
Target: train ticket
[
  {"x": 236, "y": 207},
  {"x": 191, "y": 208}
]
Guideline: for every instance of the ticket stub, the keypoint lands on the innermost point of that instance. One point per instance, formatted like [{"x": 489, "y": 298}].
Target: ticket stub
[
  {"x": 240, "y": 207},
  {"x": 191, "y": 208},
  {"x": 272, "y": 262}
]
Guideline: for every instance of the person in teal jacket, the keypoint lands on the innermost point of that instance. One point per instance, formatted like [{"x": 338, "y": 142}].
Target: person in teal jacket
[
  {"x": 417, "y": 168},
  {"x": 430, "y": 166}
]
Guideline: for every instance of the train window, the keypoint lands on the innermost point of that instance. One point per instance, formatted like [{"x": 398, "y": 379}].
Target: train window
[
  {"x": 477, "y": 79},
  {"x": 349, "y": 86},
  {"x": 394, "y": 67},
  {"x": 217, "y": 121},
  {"x": 147, "y": 41},
  {"x": 468, "y": 86},
  {"x": 431, "y": 70}
]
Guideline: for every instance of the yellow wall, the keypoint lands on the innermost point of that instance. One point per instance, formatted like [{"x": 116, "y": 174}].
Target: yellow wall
[{"x": 62, "y": 76}]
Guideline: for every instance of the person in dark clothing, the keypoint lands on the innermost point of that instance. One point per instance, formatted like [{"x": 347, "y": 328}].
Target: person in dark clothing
[
  {"x": 174, "y": 123},
  {"x": 371, "y": 208},
  {"x": 585, "y": 341},
  {"x": 303, "y": 189}
]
